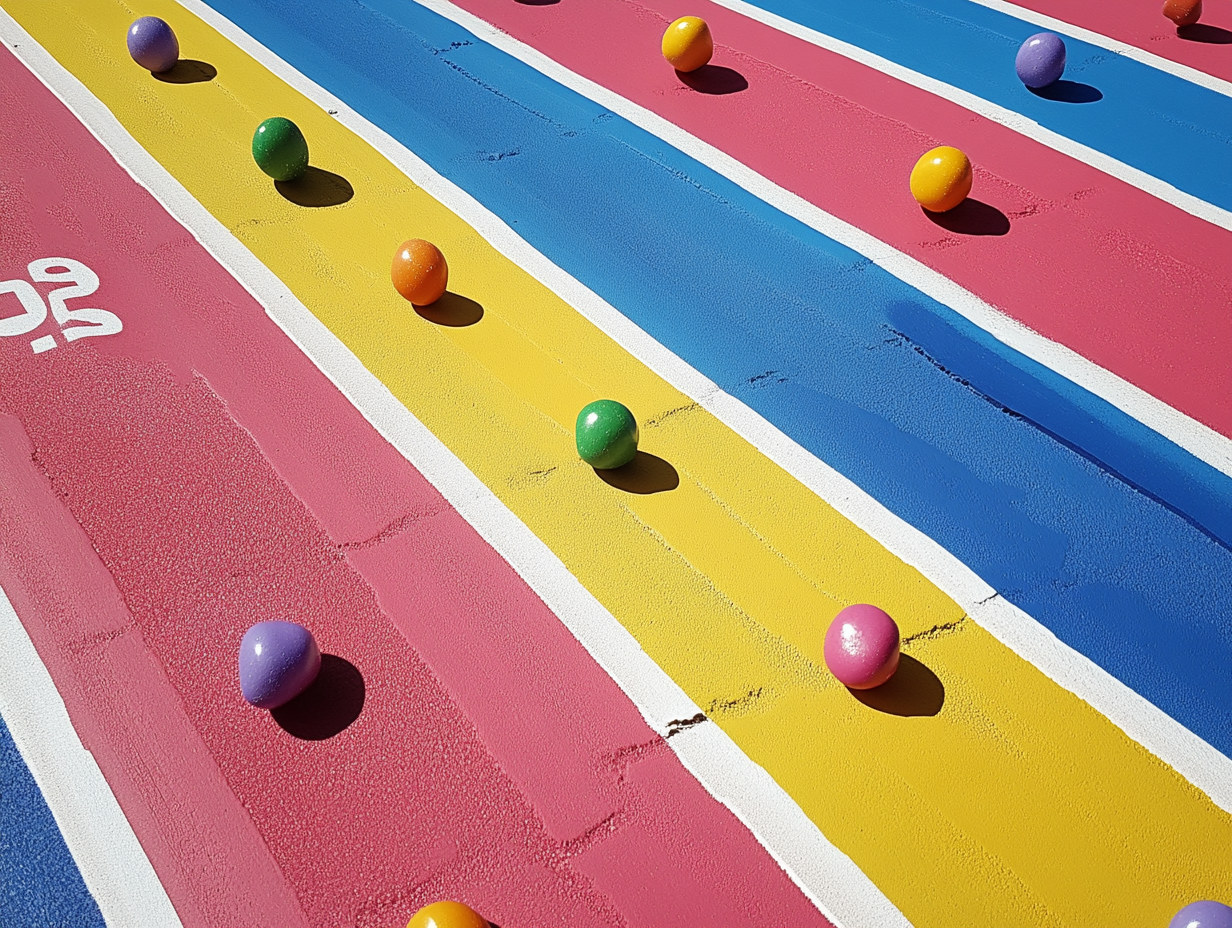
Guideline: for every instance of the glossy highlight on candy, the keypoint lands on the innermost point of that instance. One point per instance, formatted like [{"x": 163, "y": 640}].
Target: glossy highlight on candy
[
  {"x": 278, "y": 661},
  {"x": 447, "y": 914},
  {"x": 280, "y": 149},
  {"x": 862, "y": 647},
  {"x": 1040, "y": 60},
  {"x": 687, "y": 43},
  {"x": 606, "y": 434},
  {"x": 153, "y": 45},
  {"x": 1183, "y": 12},
  {"x": 941, "y": 179},
  {"x": 420, "y": 272}
]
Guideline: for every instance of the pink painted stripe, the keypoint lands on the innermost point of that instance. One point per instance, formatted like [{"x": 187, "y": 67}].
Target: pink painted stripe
[
  {"x": 1142, "y": 24},
  {"x": 1088, "y": 261},
  {"x": 162, "y": 488}
]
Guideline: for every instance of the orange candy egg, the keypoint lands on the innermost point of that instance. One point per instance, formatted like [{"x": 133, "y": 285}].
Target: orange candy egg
[
  {"x": 687, "y": 44},
  {"x": 419, "y": 272},
  {"x": 1183, "y": 12},
  {"x": 446, "y": 914}
]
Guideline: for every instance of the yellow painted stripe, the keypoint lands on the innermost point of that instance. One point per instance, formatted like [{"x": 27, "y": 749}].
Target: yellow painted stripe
[{"x": 1015, "y": 805}]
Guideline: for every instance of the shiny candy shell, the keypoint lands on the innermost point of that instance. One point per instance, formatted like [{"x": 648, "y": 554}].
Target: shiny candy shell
[
  {"x": 446, "y": 914},
  {"x": 862, "y": 647},
  {"x": 419, "y": 272},
  {"x": 1203, "y": 914},
  {"x": 1183, "y": 12},
  {"x": 606, "y": 434},
  {"x": 1040, "y": 60},
  {"x": 280, "y": 149},
  {"x": 687, "y": 44},
  {"x": 153, "y": 44},
  {"x": 278, "y": 661},
  {"x": 941, "y": 179}
]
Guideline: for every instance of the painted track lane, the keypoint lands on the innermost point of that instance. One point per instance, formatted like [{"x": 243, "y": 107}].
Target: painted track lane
[
  {"x": 1176, "y": 136},
  {"x": 130, "y": 565},
  {"x": 42, "y": 887},
  {"x": 1203, "y": 47},
  {"x": 723, "y": 629},
  {"x": 841, "y": 374},
  {"x": 1129, "y": 279}
]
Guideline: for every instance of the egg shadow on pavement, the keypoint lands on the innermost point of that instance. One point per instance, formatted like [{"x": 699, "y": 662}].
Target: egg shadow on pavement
[
  {"x": 329, "y": 706},
  {"x": 188, "y": 71},
  {"x": 1208, "y": 35},
  {"x": 714, "y": 79},
  {"x": 913, "y": 691},
  {"x": 971, "y": 217},
  {"x": 1068, "y": 92},
  {"x": 316, "y": 188},
  {"x": 645, "y": 474},
  {"x": 453, "y": 310}
]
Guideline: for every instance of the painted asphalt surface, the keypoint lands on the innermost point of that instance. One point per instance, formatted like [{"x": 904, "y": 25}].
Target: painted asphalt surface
[
  {"x": 39, "y": 883},
  {"x": 136, "y": 576},
  {"x": 1204, "y": 46},
  {"x": 1146, "y": 118},
  {"x": 960, "y": 437},
  {"x": 1142, "y": 271},
  {"x": 975, "y": 651}
]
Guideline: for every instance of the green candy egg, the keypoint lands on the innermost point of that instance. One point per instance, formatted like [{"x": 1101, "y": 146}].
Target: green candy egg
[
  {"x": 606, "y": 434},
  {"x": 279, "y": 149}
]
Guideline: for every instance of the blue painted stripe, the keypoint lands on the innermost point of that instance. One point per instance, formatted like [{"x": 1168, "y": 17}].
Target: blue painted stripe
[
  {"x": 1111, "y": 536},
  {"x": 1164, "y": 125},
  {"x": 40, "y": 886}
]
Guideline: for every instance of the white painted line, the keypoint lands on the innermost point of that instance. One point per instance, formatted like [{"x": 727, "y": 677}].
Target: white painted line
[
  {"x": 116, "y": 871},
  {"x": 1016, "y": 121},
  {"x": 1198, "y": 439},
  {"x": 1176, "y": 69},
  {"x": 827, "y": 876},
  {"x": 1144, "y": 722}
]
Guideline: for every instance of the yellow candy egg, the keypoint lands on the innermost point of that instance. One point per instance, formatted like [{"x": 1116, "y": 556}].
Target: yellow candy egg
[
  {"x": 687, "y": 44},
  {"x": 447, "y": 914},
  {"x": 941, "y": 179}
]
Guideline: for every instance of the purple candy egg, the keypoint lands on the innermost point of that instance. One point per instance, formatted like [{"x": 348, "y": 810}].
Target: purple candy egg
[
  {"x": 153, "y": 45},
  {"x": 1204, "y": 914},
  {"x": 278, "y": 661},
  {"x": 1041, "y": 60}
]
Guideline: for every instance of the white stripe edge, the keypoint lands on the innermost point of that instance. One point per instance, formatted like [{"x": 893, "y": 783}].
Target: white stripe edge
[
  {"x": 1140, "y": 55},
  {"x": 828, "y": 878},
  {"x": 1187, "y": 753},
  {"x": 106, "y": 851},
  {"x": 1135, "y": 177},
  {"x": 1197, "y": 438}
]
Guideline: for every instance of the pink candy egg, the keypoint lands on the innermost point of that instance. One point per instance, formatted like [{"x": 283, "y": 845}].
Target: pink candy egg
[{"x": 862, "y": 647}]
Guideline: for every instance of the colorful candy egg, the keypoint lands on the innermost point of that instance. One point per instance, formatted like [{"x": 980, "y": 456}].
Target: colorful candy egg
[
  {"x": 861, "y": 647},
  {"x": 687, "y": 44},
  {"x": 446, "y": 914},
  {"x": 941, "y": 179},
  {"x": 1040, "y": 60},
  {"x": 278, "y": 661},
  {"x": 1183, "y": 12},
  {"x": 419, "y": 272},
  {"x": 280, "y": 149},
  {"x": 1205, "y": 914},
  {"x": 153, "y": 44},
  {"x": 606, "y": 434}
]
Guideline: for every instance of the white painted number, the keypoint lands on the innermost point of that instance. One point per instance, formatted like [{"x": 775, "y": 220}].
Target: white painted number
[
  {"x": 82, "y": 281},
  {"x": 33, "y": 312}
]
